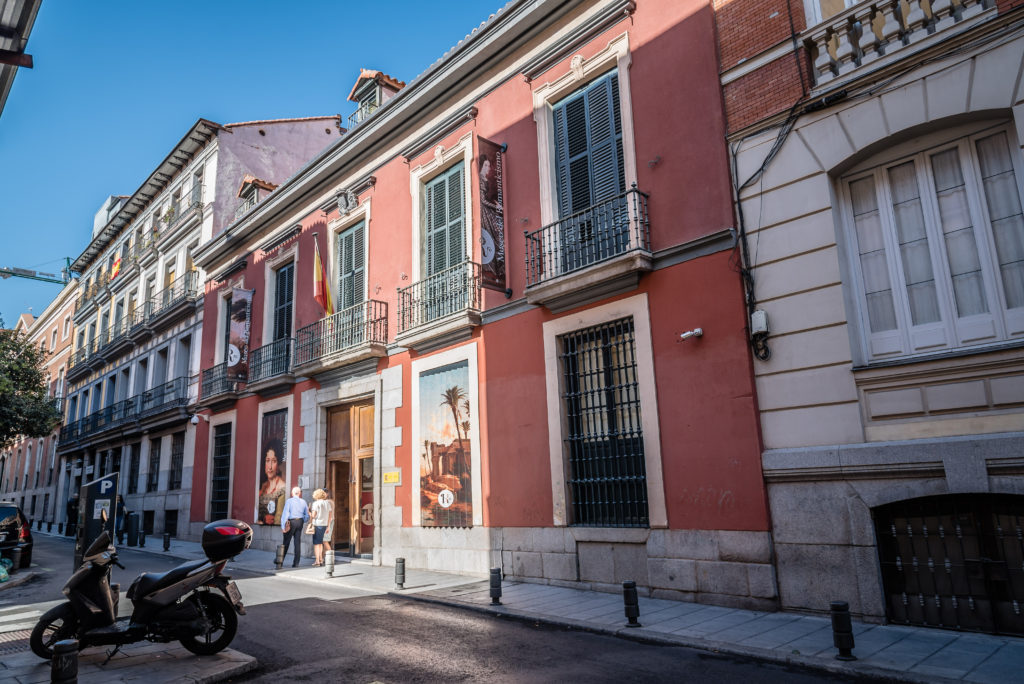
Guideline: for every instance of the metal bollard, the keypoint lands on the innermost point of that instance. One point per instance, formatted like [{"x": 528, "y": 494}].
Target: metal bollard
[
  {"x": 632, "y": 603},
  {"x": 60, "y": 528},
  {"x": 167, "y": 541},
  {"x": 39, "y": 525},
  {"x": 64, "y": 663},
  {"x": 842, "y": 630},
  {"x": 279, "y": 556},
  {"x": 15, "y": 560},
  {"x": 142, "y": 538},
  {"x": 49, "y": 527},
  {"x": 400, "y": 573},
  {"x": 495, "y": 586},
  {"x": 329, "y": 562}
]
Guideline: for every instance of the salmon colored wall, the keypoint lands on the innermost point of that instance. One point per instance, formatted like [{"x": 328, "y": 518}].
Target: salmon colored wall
[{"x": 200, "y": 474}]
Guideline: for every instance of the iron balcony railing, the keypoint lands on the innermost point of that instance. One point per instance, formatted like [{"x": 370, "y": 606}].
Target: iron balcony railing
[
  {"x": 361, "y": 114},
  {"x": 163, "y": 397},
  {"x": 250, "y": 202},
  {"x": 183, "y": 206},
  {"x": 448, "y": 292},
  {"x": 270, "y": 360},
  {"x": 366, "y": 322},
  {"x": 215, "y": 381},
  {"x": 598, "y": 233},
  {"x": 181, "y": 288}
]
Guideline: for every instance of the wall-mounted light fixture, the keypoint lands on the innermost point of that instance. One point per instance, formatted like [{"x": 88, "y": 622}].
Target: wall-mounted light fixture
[{"x": 696, "y": 332}]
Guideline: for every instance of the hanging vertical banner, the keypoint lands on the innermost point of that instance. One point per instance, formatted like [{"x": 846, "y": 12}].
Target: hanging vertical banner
[
  {"x": 273, "y": 463},
  {"x": 238, "y": 337},
  {"x": 490, "y": 164}
]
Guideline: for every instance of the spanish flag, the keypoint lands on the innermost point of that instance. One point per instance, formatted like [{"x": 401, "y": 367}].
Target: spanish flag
[
  {"x": 116, "y": 268},
  {"x": 321, "y": 290}
]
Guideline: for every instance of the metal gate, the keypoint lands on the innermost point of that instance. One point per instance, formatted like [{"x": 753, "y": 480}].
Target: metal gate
[{"x": 954, "y": 561}]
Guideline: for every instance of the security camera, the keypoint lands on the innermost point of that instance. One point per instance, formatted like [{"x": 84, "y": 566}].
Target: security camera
[{"x": 194, "y": 419}]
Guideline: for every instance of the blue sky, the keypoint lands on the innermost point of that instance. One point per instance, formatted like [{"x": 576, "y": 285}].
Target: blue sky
[{"x": 117, "y": 83}]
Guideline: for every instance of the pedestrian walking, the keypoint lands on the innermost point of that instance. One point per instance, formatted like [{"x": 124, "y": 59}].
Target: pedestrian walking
[
  {"x": 323, "y": 518},
  {"x": 120, "y": 516},
  {"x": 293, "y": 518}
]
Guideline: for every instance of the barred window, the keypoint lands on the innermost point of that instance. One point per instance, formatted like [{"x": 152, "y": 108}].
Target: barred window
[
  {"x": 177, "y": 460},
  {"x": 221, "y": 476},
  {"x": 153, "y": 476},
  {"x": 607, "y": 484},
  {"x": 133, "y": 468}
]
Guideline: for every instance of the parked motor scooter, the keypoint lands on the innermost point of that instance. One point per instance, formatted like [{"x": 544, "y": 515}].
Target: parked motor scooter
[{"x": 195, "y": 603}]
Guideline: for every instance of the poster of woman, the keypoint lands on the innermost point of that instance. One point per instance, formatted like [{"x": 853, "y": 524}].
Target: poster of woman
[
  {"x": 446, "y": 492},
  {"x": 273, "y": 486}
]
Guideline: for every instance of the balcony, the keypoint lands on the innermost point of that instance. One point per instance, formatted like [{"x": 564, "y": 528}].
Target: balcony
[
  {"x": 117, "y": 338},
  {"x": 144, "y": 411},
  {"x": 270, "y": 366},
  {"x": 363, "y": 113},
  {"x": 589, "y": 255},
  {"x": 215, "y": 383},
  {"x": 181, "y": 211},
  {"x": 441, "y": 309},
  {"x": 871, "y": 35},
  {"x": 176, "y": 299},
  {"x": 354, "y": 334}
]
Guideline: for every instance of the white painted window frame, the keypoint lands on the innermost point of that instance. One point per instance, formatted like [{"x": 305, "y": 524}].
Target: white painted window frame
[
  {"x": 270, "y": 268},
  {"x": 637, "y": 308},
  {"x": 945, "y": 331},
  {"x": 468, "y": 353},
  {"x": 444, "y": 159},
  {"x": 615, "y": 55}
]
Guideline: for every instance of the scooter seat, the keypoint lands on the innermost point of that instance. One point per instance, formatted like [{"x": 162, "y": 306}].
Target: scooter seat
[{"x": 154, "y": 581}]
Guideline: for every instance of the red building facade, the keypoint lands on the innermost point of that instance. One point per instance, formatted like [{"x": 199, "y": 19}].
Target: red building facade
[{"x": 538, "y": 354}]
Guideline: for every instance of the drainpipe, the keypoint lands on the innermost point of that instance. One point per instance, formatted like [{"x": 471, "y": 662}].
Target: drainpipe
[{"x": 377, "y": 469}]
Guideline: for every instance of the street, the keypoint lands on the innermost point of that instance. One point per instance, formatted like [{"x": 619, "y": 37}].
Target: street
[{"x": 300, "y": 630}]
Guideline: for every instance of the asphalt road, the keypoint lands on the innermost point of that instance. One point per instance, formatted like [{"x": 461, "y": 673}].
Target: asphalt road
[{"x": 392, "y": 639}]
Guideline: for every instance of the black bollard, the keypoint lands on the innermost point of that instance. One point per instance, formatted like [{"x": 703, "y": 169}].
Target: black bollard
[
  {"x": 400, "y": 573},
  {"x": 495, "y": 586},
  {"x": 15, "y": 560},
  {"x": 142, "y": 538},
  {"x": 64, "y": 663},
  {"x": 632, "y": 603},
  {"x": 49, "y": 527},
  {"x": 167, "y": 541},
  {"x": 279, "y": 556},
  {"x": 60, "y": 528},
  {"x": 329, "y": 562},
  {"x": 842, "y": 630}
]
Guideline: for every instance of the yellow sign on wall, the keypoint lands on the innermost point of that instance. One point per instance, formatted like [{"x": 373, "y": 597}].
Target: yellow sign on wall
[{"x": 391, "y": 477}]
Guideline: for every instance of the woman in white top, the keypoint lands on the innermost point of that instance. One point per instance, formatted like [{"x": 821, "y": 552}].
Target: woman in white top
[{"x": 322, "y": 511}]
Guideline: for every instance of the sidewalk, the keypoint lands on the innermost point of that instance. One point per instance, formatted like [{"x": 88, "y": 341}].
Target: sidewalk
[{"x": 912, "y": 654}]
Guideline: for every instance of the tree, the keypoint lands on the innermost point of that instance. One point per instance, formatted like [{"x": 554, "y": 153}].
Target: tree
[
  {"x": 451, "y": 398},
  {"x": 25, "y": 408}
]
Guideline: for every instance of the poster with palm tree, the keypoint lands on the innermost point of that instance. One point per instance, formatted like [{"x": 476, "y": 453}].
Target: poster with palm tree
[{"x": 446, "y": 498}]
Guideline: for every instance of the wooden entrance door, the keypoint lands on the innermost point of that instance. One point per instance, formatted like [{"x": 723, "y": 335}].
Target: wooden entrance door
[{"x": 350, "y": 476}]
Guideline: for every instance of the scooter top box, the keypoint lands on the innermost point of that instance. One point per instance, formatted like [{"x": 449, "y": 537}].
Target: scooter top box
[{"x": 224, "y": 539}]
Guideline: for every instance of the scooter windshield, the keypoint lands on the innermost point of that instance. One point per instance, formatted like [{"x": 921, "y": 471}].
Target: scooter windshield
[{"x": 101, "y": 544}]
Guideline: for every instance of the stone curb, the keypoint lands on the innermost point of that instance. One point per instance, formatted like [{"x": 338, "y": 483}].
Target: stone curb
[
  {"x": 240, "y": 668},
  {"x": 649, "y": 636},
  {"x": 22, "y": 577}
]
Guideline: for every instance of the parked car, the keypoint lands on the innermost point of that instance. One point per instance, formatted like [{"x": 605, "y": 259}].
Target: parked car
[{"x": 15, "y": 532}]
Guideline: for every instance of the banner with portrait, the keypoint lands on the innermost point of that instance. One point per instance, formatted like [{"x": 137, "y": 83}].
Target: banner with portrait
[
  {"x": 490, "y": 166},
  {"x": 273, "y": 465},
  {"x": 446, "y": 483},
  {"x": 237, "y": 353}
]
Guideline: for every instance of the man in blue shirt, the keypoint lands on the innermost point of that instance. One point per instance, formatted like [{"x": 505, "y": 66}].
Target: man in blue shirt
[{"x": 293, "y": 518}]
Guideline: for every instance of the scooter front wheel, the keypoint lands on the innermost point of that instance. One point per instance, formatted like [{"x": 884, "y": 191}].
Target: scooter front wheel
[
  {"x": 56, "y": 624},
  {"x": 221, "y": 628}
]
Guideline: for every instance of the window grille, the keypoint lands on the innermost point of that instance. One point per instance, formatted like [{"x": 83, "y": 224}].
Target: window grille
[
  {"x": 153, "y": 476},
  {"x": 221, "y": 475},
  {"x": 177, "y": 460},
  {"x": 133, "y": 468},
  {"x": 607, "y": 484}
]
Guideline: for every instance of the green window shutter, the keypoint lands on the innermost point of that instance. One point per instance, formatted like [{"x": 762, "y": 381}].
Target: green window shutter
[
  {"x": 445, "y": 215},
  {"x": 351, "y": 266},
  {"x": 284, "y": 293},
  {"x": 588, "y": 146}
]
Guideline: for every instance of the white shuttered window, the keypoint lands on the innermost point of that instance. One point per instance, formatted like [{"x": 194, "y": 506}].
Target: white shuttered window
[{"x": 938, "y": 241}]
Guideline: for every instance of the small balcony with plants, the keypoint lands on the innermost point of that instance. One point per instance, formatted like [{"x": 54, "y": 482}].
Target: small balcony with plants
[
  {"x": 441, "y": 308},
  {"x": 590, "y": 254},
  {"x": 174, "y": 301},
  {"x": 352, "y": 335},
  {"x": 181, "y": 212}
]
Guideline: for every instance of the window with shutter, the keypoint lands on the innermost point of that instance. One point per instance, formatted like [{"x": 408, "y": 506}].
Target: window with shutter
[
  {"x": 283, "y": 296},
  {"x": 351, "y": 266},
  {"x": 590, "y": 174},
  {"x": 445, "y": 213}
]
